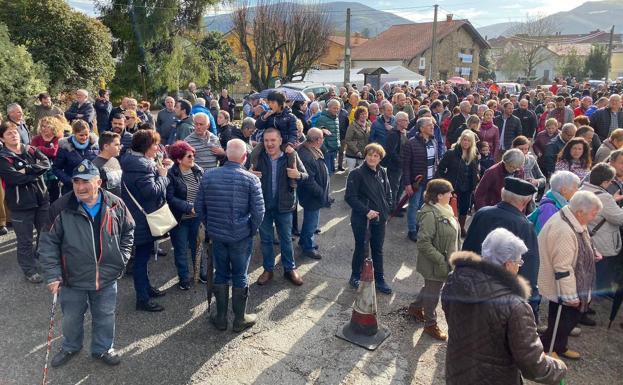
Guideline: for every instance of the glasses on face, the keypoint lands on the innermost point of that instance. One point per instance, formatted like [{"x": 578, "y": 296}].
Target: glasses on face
[
  {"x": 190, "y": 156},
  {"x": 519, "y": 262}
]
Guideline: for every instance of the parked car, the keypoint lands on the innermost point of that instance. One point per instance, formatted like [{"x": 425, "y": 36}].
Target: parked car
[
  {"x": 318, "y": 89},
  {"x": 511, "y": 88}
]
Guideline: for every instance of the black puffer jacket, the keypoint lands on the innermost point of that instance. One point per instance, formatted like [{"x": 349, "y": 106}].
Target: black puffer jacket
[
  {"x": 22, "y": 177},
  {"x": 366, "y": 190},
  {"x": 492, "y": 338}
]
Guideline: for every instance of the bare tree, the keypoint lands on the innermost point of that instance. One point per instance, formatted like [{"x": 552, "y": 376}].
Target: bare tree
[
  {"x": 283, "y": 39},
  {"x": 529, "y": 41}
]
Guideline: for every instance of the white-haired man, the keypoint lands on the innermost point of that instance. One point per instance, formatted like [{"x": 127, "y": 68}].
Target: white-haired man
[
  {"x": 82, "y": 108},
  {"x": 489, "y": 316},
  {"x": 605, "y": 120},
  {"x": 224, "y": 191},
  {"x": 206, "y": 144},
  {"x": 567, "y": 267}
]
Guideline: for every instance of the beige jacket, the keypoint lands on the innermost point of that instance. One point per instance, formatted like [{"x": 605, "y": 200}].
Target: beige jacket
[
  {"x": 558, "y": 248},
  {"x": 607, "y": 239}
]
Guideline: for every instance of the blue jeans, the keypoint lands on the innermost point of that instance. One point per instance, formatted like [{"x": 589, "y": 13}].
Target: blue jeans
[
  {"x": 283, "y": 223},
  {"x": 231, "y": 262},
  {"x": 183, "y": 237},
  {"x": 74, "y": 303},
  {"x": 415, "y": 202},
  {"x": 329, "y": 159},
  {"x": 140, "y": 274},
  {"x": 310, "y": 224}
]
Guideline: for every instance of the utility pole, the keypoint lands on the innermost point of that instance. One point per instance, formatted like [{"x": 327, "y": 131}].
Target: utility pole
[
  {"x": 347, "y": 50},
  {"x": 433, "y": 49},
  {"x": 610, "y": 52}
]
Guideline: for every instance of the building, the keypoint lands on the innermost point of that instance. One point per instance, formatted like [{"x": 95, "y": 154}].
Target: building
[
  {"x": 458, "y": 51},
  {"x": 335, "y": 53},
  {"x": 616, "y": 64}
]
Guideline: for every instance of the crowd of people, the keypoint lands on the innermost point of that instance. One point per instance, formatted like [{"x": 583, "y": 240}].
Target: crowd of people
[{"x": 540, "y": 173}]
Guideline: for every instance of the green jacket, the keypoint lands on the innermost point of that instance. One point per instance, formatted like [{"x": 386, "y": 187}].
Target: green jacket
[
  {"x": 437, "y": 238},
  {"x": 331, "y": 123}
]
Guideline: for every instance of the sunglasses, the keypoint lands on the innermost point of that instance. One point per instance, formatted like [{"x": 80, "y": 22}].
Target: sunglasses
[{"x": 190, "y": 156}]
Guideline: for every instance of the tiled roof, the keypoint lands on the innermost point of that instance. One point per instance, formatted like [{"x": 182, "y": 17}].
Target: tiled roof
[
  {"x": 405, "y": 41},
  {"x": 354, "y": 40}
]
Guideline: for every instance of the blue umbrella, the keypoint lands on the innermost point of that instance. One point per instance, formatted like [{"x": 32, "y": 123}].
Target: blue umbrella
[{"x": 291, "y": 94}]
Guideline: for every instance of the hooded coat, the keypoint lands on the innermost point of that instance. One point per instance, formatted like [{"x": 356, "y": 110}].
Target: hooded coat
[{"x": 492, "y": 338}]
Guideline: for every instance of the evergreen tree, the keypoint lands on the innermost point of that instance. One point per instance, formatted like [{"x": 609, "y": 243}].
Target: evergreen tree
[{"x": 596, "y": 65}]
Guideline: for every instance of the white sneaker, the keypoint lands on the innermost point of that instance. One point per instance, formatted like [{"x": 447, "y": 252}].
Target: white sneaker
[{"x": 575, "y": 332}]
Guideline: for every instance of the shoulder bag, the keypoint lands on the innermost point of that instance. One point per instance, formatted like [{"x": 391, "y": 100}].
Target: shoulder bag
[{"x": 160, "y": 221}]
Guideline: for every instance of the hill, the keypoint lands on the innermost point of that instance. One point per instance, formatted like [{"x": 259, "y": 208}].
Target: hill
[
  {"x": 585, "y": 18},
  {"x": 363, "y": 18}
]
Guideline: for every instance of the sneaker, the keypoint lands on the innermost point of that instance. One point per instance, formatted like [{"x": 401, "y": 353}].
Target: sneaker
[
  {"x": 34, "y": 278},
  {"x": 354, "y": 282},
  {"x": 61, "y": 358},
  {"x": 435, "y": 332},
  {"x": 109, "y": 358},
  {"x": 3, "y": 230},
  {"x": 184, "y": 285},
  {"x": 575, "y": 332},
  {"x": 412, "y": 235},
  {"x": 571, "y": 354},
  {"x": 203, "y": 278},
  {"x": 383, "y": 287}
]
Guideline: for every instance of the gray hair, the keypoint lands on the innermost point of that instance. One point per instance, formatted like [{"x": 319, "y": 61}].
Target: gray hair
[
  {"x": 235, "y": 149},
  {"x": 333, "y": 102},
  {"x": 584, "y": 201},
  {"x": 314, "y": 106},
  {"x": 464, "y": 103},
  {"x": 482, "y": 108},
  {"x": 201, "y": 102},
  {"x": 561, "y": 179},
  {"x": 201, "y": 115},
  {"x": 248, "y": 122},
  {"x": 83, "y": 92},
  {"x": 501, "y": 246},
  {"x": 11, "y": 107},
  {"x": 402, "y": 114},
  {"x": 514, "y": 158},
  {"x": 567, "y": 127},
  {"x": 424, "y": 120}
]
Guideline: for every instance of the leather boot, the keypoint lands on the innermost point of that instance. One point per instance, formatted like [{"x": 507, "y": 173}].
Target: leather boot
[
  {"x": 221, "y": 293},
  {"x": 242, "y": 320},
  {"x": 462, "y": 219}
]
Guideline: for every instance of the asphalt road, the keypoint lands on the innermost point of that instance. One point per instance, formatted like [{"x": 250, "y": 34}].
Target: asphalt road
[{"x": 293, "y": 342}]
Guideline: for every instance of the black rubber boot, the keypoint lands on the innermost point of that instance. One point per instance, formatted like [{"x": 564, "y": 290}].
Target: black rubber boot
[
  {"x": 221, "y": 293},
  {"x": 242, "y": 320}
]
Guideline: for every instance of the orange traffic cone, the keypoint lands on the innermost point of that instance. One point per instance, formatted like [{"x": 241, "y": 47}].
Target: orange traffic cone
[{"x": 363, "y": 328}]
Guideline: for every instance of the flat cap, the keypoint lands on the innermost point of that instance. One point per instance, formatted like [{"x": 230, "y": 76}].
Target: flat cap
[{"x": 519, "y": 186}]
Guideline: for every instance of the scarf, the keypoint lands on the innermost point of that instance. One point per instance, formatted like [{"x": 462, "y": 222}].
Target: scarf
[
  {"x": 486, "y": 125},
  {"x": 79, "y": 145},
  {"x": 584, "y": 266},
  {"x": 316, "y": 152}
]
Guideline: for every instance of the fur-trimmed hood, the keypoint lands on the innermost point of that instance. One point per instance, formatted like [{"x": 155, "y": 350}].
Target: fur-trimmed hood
[
  {"x": 474, "y": 280},
  {"x": 66, "y": 144}
]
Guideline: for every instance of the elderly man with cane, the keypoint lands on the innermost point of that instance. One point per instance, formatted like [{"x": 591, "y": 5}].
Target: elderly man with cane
[
  {"x": 82, "y": 255},
  {"x": 231, "y": 206},
  {"x": 567, "y": 269}
]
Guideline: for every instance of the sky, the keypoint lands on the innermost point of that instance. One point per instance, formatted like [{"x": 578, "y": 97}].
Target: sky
[{"x": 480, "y": 13}]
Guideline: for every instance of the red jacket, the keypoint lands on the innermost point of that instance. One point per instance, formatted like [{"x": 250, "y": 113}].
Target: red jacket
[
  {"x": 489, "y": 190},
  {"x": 48, "y": 148}
]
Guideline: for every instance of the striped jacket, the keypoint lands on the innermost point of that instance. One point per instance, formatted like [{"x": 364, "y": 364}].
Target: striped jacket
[{"x": 203, "y": 156}]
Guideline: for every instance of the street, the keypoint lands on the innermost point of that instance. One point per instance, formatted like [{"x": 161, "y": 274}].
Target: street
[{"x": 293, "y": 342}]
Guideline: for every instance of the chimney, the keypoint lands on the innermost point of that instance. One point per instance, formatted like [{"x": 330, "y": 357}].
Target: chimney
[{"x": 449, "y": 17}]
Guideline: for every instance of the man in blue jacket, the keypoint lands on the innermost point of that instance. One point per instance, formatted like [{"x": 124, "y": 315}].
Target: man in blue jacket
[
  {"x": 231, "y": 206},
  {"x": 313, "y": 193}
]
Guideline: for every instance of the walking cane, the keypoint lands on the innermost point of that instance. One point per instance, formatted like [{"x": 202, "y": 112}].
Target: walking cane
[
  {"x": 199, "y": 253},
  {"x": 50, "y": 336},
  {"x": 558, "y": 277}
]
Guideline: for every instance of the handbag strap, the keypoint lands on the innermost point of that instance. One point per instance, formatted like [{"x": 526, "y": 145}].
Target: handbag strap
[{"x": 134, "y": 200}]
